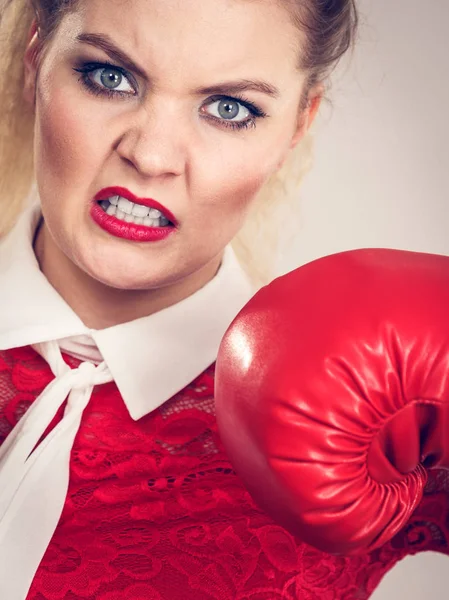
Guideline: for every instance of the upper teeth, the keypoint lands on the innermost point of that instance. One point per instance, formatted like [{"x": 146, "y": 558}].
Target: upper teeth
[{"x": 138, "y": 210}]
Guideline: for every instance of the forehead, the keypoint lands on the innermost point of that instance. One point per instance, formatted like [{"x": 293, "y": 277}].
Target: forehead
[{"x": 196, "y": 38}]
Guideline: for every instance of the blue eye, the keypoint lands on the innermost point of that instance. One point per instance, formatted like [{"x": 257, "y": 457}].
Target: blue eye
[
  {"x": 229, "y": 109},
  {"x": 111, "y": 78},
  {"x": 236, "y": 113},
  {"x": 107, "y": 79}
]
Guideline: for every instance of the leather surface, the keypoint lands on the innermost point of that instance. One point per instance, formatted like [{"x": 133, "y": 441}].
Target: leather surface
[{"x": 332, "y": 394}]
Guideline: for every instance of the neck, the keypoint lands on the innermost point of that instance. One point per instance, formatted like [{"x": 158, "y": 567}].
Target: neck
[{"x": 100, "y": 306}]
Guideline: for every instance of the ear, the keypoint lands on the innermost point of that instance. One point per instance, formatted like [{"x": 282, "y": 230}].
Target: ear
[
  {"x": 307, "y": 115},
  {"x": 30, "y": 61}
]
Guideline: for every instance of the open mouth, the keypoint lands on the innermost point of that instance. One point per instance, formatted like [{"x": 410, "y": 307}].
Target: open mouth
[{"x": 131, "y": 212}]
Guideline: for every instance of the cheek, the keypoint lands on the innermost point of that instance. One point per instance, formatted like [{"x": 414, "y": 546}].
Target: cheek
[
  {"x": 232, "y": 181},
  {"x": 63, "y": 158},
  {"x": 239, "y": 190},
  {"x": 57, "y": 133}
]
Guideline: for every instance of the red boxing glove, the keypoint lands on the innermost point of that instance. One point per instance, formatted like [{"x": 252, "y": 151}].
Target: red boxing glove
[{"x": 332, "y": 394}]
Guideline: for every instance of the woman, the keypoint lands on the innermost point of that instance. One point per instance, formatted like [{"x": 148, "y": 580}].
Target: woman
[{"x": 157, "y": 126}]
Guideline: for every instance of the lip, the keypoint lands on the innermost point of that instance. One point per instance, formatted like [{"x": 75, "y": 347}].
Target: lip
[
  {"x": 128, "y": 231},
  {"x": 106, "y": 193}
]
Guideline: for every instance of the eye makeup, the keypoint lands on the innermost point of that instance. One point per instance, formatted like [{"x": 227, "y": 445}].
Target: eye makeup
[{"x": 88, "y": 69}]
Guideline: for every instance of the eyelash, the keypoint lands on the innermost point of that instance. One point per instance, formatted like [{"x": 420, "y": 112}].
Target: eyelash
[{"x": 89, "y": 67}]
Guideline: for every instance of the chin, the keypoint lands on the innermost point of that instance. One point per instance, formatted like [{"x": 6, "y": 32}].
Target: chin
[
  {"x": 129, "y": 281},
  {"x": 124, "y": 277}
]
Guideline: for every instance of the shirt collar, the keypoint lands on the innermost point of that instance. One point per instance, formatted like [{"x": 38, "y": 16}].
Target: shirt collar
[{"x": 151, "y": 358}]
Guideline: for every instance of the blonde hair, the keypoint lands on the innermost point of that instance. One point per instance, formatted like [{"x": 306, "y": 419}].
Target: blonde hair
[
  {"x": 16, "y": 118},
  {"x": 273, "y": 212}
]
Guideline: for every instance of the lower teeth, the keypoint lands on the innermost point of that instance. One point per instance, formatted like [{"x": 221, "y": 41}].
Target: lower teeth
[{"x": 112, "y": 210}]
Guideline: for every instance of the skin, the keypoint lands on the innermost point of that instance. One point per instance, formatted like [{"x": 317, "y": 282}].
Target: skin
[{"x": 162, "y": 140}]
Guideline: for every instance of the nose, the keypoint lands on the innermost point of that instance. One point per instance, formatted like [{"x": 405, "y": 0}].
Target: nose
[{"x": 153, "y": 145}]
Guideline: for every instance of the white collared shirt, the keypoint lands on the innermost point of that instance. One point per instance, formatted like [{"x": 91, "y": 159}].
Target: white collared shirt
[{"x": 162, "y": 352}]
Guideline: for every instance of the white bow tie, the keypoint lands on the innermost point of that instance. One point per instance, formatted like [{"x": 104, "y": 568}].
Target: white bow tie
[{"x": 34, "y": 480}]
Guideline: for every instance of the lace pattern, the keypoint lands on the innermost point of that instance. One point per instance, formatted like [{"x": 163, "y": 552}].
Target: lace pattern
[{"x": 155, "y": 511}]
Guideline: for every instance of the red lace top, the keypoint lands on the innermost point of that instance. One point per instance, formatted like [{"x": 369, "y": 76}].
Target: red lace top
[{"x": 155, "y": 511}]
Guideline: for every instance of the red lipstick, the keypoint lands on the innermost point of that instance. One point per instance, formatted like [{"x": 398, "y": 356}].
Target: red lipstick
[{"x": 126, "y": 230}]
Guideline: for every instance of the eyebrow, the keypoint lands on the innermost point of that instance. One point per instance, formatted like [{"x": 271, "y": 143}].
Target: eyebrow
[
  {"x": 242, "y": 85},
  {"x": 232, "y": 87},
  {"x": 105, "y": 43}
]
